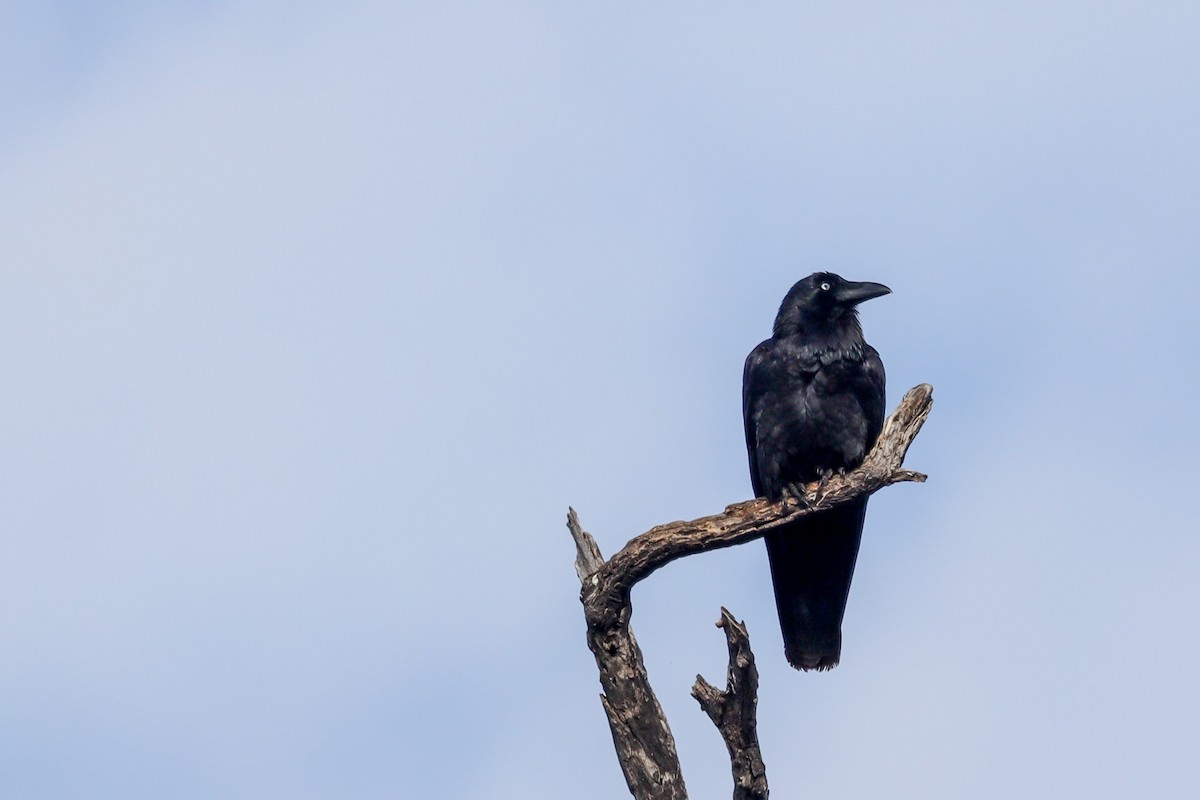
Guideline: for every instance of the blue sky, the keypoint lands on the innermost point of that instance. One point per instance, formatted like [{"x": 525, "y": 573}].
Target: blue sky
[{"x": 314, "y": 320}]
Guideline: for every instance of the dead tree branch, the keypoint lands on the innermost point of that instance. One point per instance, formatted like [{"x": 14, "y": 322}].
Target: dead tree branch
[
  {"x": 642, "y": 737},
  {"x": 735, "y": 711}
]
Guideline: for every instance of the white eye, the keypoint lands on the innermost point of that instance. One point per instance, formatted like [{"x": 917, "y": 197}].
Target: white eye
[{"x": 825, "y": 287}]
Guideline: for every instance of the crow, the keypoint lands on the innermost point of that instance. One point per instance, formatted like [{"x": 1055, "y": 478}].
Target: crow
[{"x": 813, "y": 403}]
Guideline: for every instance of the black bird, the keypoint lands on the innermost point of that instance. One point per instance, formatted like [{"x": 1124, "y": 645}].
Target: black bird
[{"x": 813, "y": 401}]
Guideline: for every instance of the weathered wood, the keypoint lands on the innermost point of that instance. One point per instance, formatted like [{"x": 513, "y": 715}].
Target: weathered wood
[
  {"x": 645, "y": 746},
  {"x": 735, "y": 711},
  {"x": 643, "y": 740}
]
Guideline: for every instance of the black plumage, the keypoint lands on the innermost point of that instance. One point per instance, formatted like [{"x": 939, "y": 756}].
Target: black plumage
[{"x": 813, "y": 402}]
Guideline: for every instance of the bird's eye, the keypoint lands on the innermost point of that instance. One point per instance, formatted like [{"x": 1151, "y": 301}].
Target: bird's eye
[{"x": 825, "y": 286}]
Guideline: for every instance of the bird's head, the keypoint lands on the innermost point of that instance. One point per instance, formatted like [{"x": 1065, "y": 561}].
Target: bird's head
[{"x": 821, "y": 300}]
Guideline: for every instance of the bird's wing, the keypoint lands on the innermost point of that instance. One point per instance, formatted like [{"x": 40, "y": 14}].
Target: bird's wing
[
  {"x": 873, "y": 394},
  {"x": 751, "y": 392}
]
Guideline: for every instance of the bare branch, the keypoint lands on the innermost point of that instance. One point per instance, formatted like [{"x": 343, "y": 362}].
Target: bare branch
[
  {"x": 753, "y": 519},
  {"x": 734, "y": 711}
]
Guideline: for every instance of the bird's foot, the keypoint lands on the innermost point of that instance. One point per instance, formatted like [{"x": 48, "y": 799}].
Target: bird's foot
[{"x": 794, "y": 495}]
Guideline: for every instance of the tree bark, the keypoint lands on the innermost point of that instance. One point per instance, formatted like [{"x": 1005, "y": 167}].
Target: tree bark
[{"x": 643, "y": 740}]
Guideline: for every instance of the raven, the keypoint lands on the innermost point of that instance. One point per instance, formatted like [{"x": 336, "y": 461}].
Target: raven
[{"x": 813, "y": 402}]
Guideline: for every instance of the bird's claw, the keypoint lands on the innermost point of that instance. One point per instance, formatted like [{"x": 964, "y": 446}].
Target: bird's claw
[{"x": 823, "y": 476}]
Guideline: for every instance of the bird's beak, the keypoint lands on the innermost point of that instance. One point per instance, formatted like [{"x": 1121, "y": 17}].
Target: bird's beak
[{"x": 851, "y": 294}]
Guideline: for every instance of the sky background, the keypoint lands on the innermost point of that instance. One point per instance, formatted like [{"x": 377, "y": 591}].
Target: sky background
[{"x": 314, "y": 319}]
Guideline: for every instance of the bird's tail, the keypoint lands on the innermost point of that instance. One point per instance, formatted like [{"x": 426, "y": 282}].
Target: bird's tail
[{"x": 812, "y": 564}]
